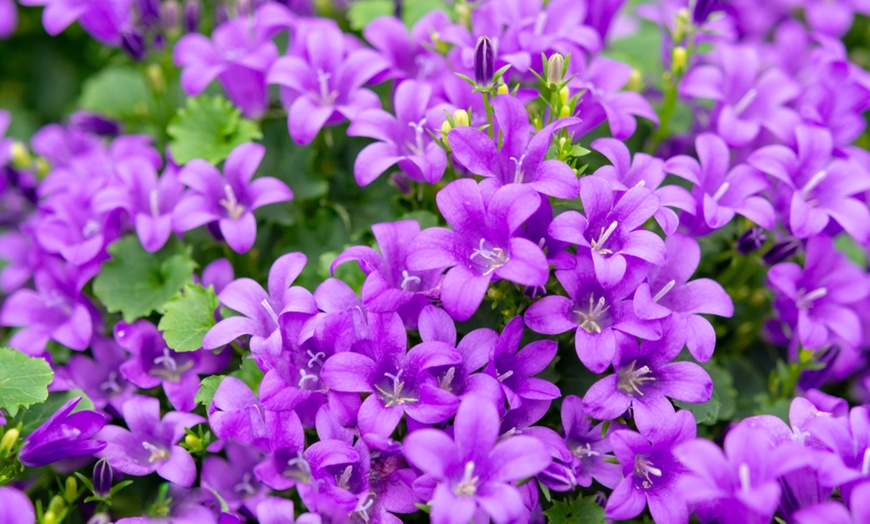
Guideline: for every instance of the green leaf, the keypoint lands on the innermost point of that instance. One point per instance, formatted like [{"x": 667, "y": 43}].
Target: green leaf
[
  {"x": 846, "y": 244},
  {"x": 135, "y": 282},
  {"x": 581, "y": 510},
  {"x": 362, "y": 12},
  {"x": 24, "y": 380},
  {"x": 249, "y": 373},
  {"x": 723, "y": 401},
  {"x": 209, "y": 128},
  {"x": 188, "y": 316},
  {"x": 207, "y": 389},
  {"x": 640, "y": 50},
  {"x": 119, "y": 91},
  {"x": 34, "y": 416},
  {"x": 425, "y": 218},
  {"x": 414, "y": 11}
]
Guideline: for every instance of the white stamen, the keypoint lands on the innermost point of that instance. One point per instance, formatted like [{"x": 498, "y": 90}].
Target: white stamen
[
  {"x": 598, "y": 245},
  {"x": 408, "y": 279},
  {"x": 664, "y": 290},
  {"x": 721, "y": 191},
  {"x": 154, "y": 203},
  {"x": 265, "y": 303},
  {"x": 315, "y": 358},
  {"x": 518, "y": 170},
  {"x": 744, "y": 102},
  {"x": 166, "y": 360},
  {"x": 743, "y": 473},
  {"x": 814, "y": 182}
]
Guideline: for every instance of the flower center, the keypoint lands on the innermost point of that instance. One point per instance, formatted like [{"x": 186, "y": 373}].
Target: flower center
[
  {"x": 111, "y": 385},
  {"x": 298, "y": 468},
  {"x": 327, "y": 96},
  {"x": 446, "y": 381},
  {"x": 231, "y": 203},
  {"x": 584, "y": 450},
  {"x": 745, "y": 101},
  {"x": 721, "y": 191},
  {"x": 630, "y": 380},
  {"x": 664, "y": 290},
  {"x": 157, "y": 452},
  {"x": 91, "y": 228},
  {"x": 342, "y": 480},
  {"x": 805, "y": 299},
  {"x": 170, "y": 369},
  {"x": 865, "y": 466},
  {"x": 408, "y": 279},
  {"x": 265, "y": 303},
  {"x": 540, "y": 23},
  {"x": 807, "y": 190},
  {"x": 743, "y": 473},
  {"x": 591, "y": 320},
  {"x": 154, "y": 203},
  {"x": 491, "y": 256},
  {"x": 643, "y": 468},
  {"x": 417, "y": 147},
  {"x": 598, "y": 245},
  {"x": 394, "y": 397},
  {"x": 363, "y": 510},
  {"x": 467, "y": 487},
  {"x": 245, "y": 488},
  {"x": 518, "y": 170}
]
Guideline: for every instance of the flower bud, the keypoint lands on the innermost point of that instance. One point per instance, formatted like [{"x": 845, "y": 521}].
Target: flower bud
[
  {"x": 555, "y": 68},
  {"x": 193, "y": 442},
  {"x": 94, "y": 123},
  {"x": 678, "y": 60},
  {"x": 635, "y": 81},
  {"x": 156, "y": 78},
  {"x": 103, "y": 478},
  {"x": 70, "y": 490},
  {"x": 460, "y": 118},
  {"x": 21, "y": 158},
  {"x": 401, "y": 180},
  {"x": 703, "y": 9},
  {"x": 169, "y": 15},
  {"x": 751, "y": 240},
  {"x": 565, "y": 112},
  {"x": 133, "y": 43},
  {"x": 8, "y": 442},
  {"x": 149, "y": 12},
  {"x": 502, "y": 89},
  {"x": 781, "y": 251},
  {"x": 564, "y": 95},
  {"x": 484, "y": 62},
  {"x": 681, "y": 24},
  {"x": 191, "y": 15}
]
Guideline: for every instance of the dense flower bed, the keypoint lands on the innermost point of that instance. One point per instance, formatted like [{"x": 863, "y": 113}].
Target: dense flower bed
[{"x": 509, "y": 260}]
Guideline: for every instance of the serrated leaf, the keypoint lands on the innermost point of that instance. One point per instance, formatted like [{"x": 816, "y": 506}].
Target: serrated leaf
[
  {"x": 24, "y": 380},
  {"x": 250, "y": 374},
  {"x": 207, "y": 388},
  {"x": 135, "y": 282},
  {"x": 581, "y": 510},
  {"x": 209, "y": 128},
  {"x": 188, "y": 316},
  {"x": 361, "y": 12},
  {"x": 119, "y": 91}
]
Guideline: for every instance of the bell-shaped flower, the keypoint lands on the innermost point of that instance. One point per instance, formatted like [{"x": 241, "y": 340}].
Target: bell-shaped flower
[
  {"x": 151, "y": 443},
  {"x": 482, "y": 246},
  {"x": 322, "y": 83},
  {"x": 75, "y": 229},
  {"x": 404, "y": 139},
  {"x": 234, "y": 479},
  {"x": 229, "y": 200},
  {"x": 612, "y": 229},
  {"x": 831, "y": 512},
  {"x": 411, "y": 55},
  {"x": 589, "y": 445},
  {"x": 64, "y": 435},
  {"x": 603, "y": 320},
  {"x": 721, "y": 191},
  {"x": 473, "y": 474},
  {"x": 520, "y": 159},
  {"x": 100, "y": 377},
  {"x": 104, "y": 20}
]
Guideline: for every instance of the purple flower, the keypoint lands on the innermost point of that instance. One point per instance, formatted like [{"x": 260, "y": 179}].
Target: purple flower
[
  {"x": 74, "y": 228},
  {"x": 234, "y": 479},
  {"x": 63, "y": 436},
  {"x": 720, "y": 192},
  {"x": 589, "y": 445},
  {"x": 846, "y": 442},
  {"x": 819, "y": 302},
  {"x": 644, "y": 380},
  {"x": 481, "y": 246},
  {"x": 470, "y": 475},
  {"x": 816, "y": 187},
  {"x": 230, "y": 199},
  {"x": 389, "y": 285},
  {"x": 151, "y": 443},
  {"x": 322, "y": 84},
  {"x": 103, "y": 19},
  {"x": 651, "y": 471},
  {"x": 261, "y": 310},
  {"x": 520, "y": 160},
  {"x": 8, "y": 23},
  {"x": 411, "y": 56},
  {"x": 515, "y": 368},
  {"x": 604, "y": 320},
  {"x": 612, "y": 228},
  {"x": 404, "y": 139},
  {"x": 12, "y": 498},
  {"x": 239, "y": 55},
  {"x": 747, "y": 98},
  {"x": 831, "y": 512},
  {"x": 100, "y": 377}
]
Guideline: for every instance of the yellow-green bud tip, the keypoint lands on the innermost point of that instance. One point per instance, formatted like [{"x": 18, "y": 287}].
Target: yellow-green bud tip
[
  {"x": 678, "y": 60},
  {"x": 460, "y": 118},
  {"x": 10, "y": 438},
  {"x": 502, "y": 89},
  {"x": 21, "y": 158}
]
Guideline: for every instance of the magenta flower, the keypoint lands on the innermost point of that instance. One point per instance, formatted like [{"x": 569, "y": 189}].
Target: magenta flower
[
  {"x": 471, "y": 476},
  {"x": 589, "y": 445},
  {"x": 8, "y": 22},
  {"x": 103, "y": 19},
  {"x": 410, "y": 55},
  {"x": 64, "y": 435},
  {"x": 12, "y": 498},
  {"x": 229, "y": 200}
]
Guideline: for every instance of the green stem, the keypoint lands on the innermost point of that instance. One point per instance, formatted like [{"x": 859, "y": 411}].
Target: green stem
[{"x": 488, "y": 107}]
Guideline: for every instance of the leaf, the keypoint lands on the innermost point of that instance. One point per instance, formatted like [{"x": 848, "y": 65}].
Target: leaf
[
  {"x": 135, "y": 282},
  {"x": 188, "y": 316},
  {"x": 723, "y": 401},
  {"x": 209, "y": 128},
  {"x": 120, "y": 91},
  {"x": 362, "y": 12},
  {"x": 24, "y": 380},
  {"x": 207, "y": 388},
  {"x": 426, "y": 219},
  {"x": 34, "y": 416},
  {"x": 581, "y": 510},
  {"x": 249, "y": 373},
  {"x": 417, "y": 9},
  {"x": 846, "y": 245}
]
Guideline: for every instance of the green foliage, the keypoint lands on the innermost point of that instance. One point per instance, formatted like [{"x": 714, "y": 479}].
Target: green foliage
[
  {"x": 362, "y": 12},
  {"x": 723, "y": 401},
  {"x": 121, "y": 92},
  {"x": 135, "y": 282},
  {"x": 249, "y": 373},
  {"x": 188, "y": 316},
  {"x": 846, "y": 245},
  {"x": 35, "y": 415},
  {"x": 207, "y": 389},
  {"x": 209, "y": 128},
  {"x": 24, "y": 380},
  {"x": 579, "y": 510}
]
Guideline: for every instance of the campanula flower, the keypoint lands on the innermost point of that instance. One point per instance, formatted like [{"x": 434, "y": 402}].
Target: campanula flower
[{"x": 64, "y": 435}]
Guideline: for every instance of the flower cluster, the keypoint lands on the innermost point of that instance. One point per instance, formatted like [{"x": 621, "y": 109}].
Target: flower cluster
[{"x": 584, "y": 263}]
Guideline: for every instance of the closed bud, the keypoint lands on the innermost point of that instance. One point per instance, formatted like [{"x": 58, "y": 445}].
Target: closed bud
[
  {"x": 70, "y": 490},
  {"x": 133, "y": 43},
  {"x": 191, "y": 15},
  {"x": 565, "y": 112},
  {"x": 21, "y": 158},
  {"x": 484, "y": 62},
  {"x": 678, "y": 60},
  {"x": 751, "y": 240},
  {"x": 156, "y": 78},
  {"x": 635, "y": 81},
  {"x": 702, "y": 10},
  {"x": 103, "y": 478},
  {"x": 8, "y": 442},
  {"x": 460, "y": 118},
  {"x": 781, "y": 251},
  {"x": 564, "y": 95},
  {"x": 193, "y": 442},
  {"x": 502, "y": 89},
  {"x": 170, "y": 15},
  {"x": 94, "y": 123},
  {"x": 681, "y": 24},
  {"x": 401, "y": 180},
  {"x": 555, "y": 68}
]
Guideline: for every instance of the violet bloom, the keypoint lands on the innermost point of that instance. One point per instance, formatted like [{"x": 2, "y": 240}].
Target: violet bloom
[
  {"x": 645, "y": 378},
  {"x": 669, "y": 295},
  {"x": 74, "y": 228},
  {"x": 239, "y": 54},
  {"x": 411, "y": 55},
  {"x": 404, "y": 139},
  {"x": 8, "y": 22},
  {"x": 234, "y": 479},
  {"x": 229, "y": 199},
  {"x": 747, "y": 98},
  {"x": 720, "y": 192},
  {"x": 481, "y": 247},
  {"x": 847, "y": 442},
  {"x": 648, "y": 171},
  {"x": 64, "y": 435},
  {"x": 742, "y": 485},
  {"x": 589, "y": 445},
  {"x": 612, "y": 229},
  {"x": 150, "y": 444},
  {"x": 148, "y": 201},
  {"x": 185, "y": 506},
  {"x": 389, "y": 285},
  {"x": 12, "y": 498},
  {"x": 323, "y": 84},
  {"x": 602, "y": 80},
  {"x": 831, "y": 512},
  {"x": 100, "y": 377},
  {"x": 261, "y": 310},
  {"x": 515, "y": 369},
  {"x": 604, "y": 320},
  {"x": 152, "y": 363},
  {"x": 817, "y": 187},
  {"x": 471, "y": 476},
  {"x": 651, "y": 471},
  {"x": 819, "y": 302},
  {"x": 520, "y": 160},
  {"x": 102, "y": 19}
]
